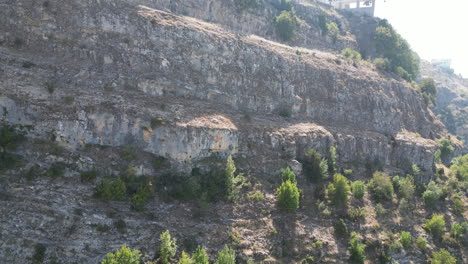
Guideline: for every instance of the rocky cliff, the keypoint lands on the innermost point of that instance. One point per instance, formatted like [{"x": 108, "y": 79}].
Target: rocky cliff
[{"x": 186, "y": 81}]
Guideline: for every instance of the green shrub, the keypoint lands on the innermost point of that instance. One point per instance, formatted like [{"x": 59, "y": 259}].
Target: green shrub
[
  {"x": 356, "y": 214},
  {"x": 185, "y": 258},
  {"x": 381, "y": 186},
  {"x": 120, "y": 225},
  {"x": 357, "y": 249},
  {"x": 428, "y": 88},
  {"x": 322, "y": 23},
  {"x": 200, "y": 256},
  {"x": 288, "y": 175},
  {"x": 285, "y": 112},
  {"x": 382, "y": 64},
  {"x": 406, "y": 187},
  {"x": 9, "y": 160},
  {"x": 89, "y": 176},
  {"x": 111, "y": 191},
  {"x": 457, "y": 230},
  {"x": 124, "y": 255},
  {"x": 315, "y": 168},
  {"x": 39, "y": 253},
  {"x": 286, "y": 25},
  {"x": 288, "y": 196},
  {"x": 331, "y": 159},
  {"x": 459, "y": 167},
  {"x": 442, "y": 257},
  {"x": 391, "y": 46},
  {"x": 406, "y": 239},
  {"x": 351, "y": 54},
  {"x": 168, "y": 247},
  {"x": 421, "y": 243},
  {"x": 157, "y": 121},
  {"x": 446, "y": 149},
  {"x": 341, "y": 229},
  {"x": 10, "y": 138},
  {"x": 435, "y": 225},
  {"x": 338, "y": 190},
  {"x": 458, "y": 206},
  {"x": 432, "y": 194},
  {"x": 56, "y": 170},
  {"x": 50, "y": 86},
  {"x": 380, "y": 210},
  {"x": 226, "y": 256},
  {"x": 359, "y": 189},
  {"x": 141, "y": 197},
  {"x": 333, "y": 31},
  {"x": 256, "y": 196}
]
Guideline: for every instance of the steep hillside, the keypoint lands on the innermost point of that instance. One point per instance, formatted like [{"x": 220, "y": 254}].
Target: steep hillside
[
  {"x": 452, "y": 102},
  {"x": 157, "y": 94}
]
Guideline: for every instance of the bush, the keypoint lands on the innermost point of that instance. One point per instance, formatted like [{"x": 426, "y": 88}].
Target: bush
[
  {"x": 406, "y": 187},
  {"x": 200, "y": 256},
  {"x": 406, "y": 239},
  {"x": 39, "y": 253},
  {"x": 446, "y": 150},
  {"x": 357, "y": 249},
  {"x": 331, "y": 158},
  {"x": 457, "y": 230},
  {"x": 286, "y": 25},
  {"x": 351, "y": 54},
  {"x": 157, "y": 121},
  {"x": 338, "y": 191},
  {"x": 428, "y": 88},
  {"x": 288, "y": 175},
  {"x": 89, "y": 176},
  {"x": 381, "y": 186},
  {"x": 421, "y": 243},
  {"x": 141, "y": 197},
  {"x": 432, "y": 194},
  {"x": 185, "y": 258},
  {"x": 435, "y": 225},
  {"x": 380, "y": 210},
  {"x": 391, "y": 46},
  {"x": 288, "y": 196},
  {"x": 10, "y": 138},
  {"x": 357, "y": 214},
  {"x": 382, "y": 64},
  {"x": 112, "y": 191},
  {"x": 341, "y": 229},
  {"x": 333, "y": 30},
  {"x": 168, "y": 247},
  {"x": 359, "y": 189},
  {"x": 442, "y": 257},
  {"x": 315, "y": 168},
  {"x": 458, "y": 206},
  {"x": 226, "y": 256},
  {"x": 124, "y": 255},
  {"x": 256, "y": 196},
  {"x": 285, "y": 112}
]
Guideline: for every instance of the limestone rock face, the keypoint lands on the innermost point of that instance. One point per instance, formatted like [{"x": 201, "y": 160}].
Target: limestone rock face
[{"x": 113, "y": 66}]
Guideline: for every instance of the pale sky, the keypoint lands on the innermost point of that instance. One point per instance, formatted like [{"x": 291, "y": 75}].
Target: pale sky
[{"x": 434, "y": 29}]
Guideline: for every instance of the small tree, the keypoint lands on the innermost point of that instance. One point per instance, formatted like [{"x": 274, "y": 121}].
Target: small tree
[
  {"x": 406, "y": 187},
  {"x": 442, "y": 257},
  {"x": 432, "y": 194},
  {"x": 119, "y": 190},
  {"x": 333, "y": 30},
  {"x": 357, "y": 249},
  {"x": 406, "y": 239},
  {"x": 288, "y": 175},
  {"x": 168, "y": 247},
  {"x": 315, "y": 168},
  {"x": 351, "y": 54},
  {"x": 341, "y": 229},
  {"x": 286, "y": 25},
  {"x": 359, "y": 189},
  {"x": 124, "y": 255},
  {"x": 226, "y": 256},
  {"x": 446, "y": 149},
  {"x": 421, "y": 243},
  {"x": 435, "y": 225},
  {"x": 185, "y": 259},
  {"x": 200, "y": 256},
  {"x": 457, "y": 230},
  {"x": 331, "y": 160},
  {"x": 288, "y": 196},
  {"x": 338, "y": 191},
  {"x": 428, "y": 88},
  {"x": 381, "y": 186}
]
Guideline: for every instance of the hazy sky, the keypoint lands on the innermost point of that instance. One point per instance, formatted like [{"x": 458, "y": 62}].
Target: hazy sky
[{"x": 434, "y": 29}]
